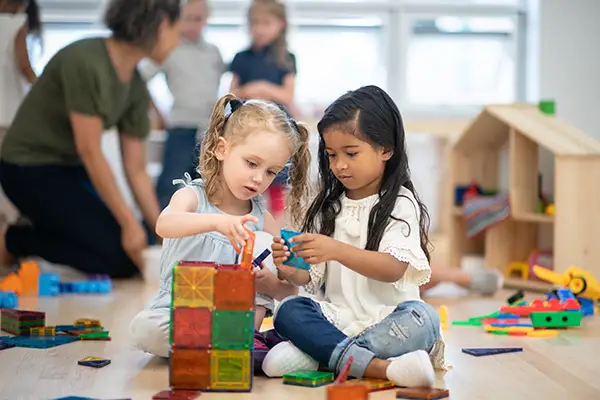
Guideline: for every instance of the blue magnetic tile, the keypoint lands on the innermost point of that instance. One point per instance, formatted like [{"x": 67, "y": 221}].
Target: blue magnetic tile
[
  {"x": 491, "y": 351},
  {"x": 292, "y": 260},
  {"x": 501, "y": 325},
  {"x": 40, "y": 342},
  {"x": 94, "y": 363},
  {"x": 8, "y": 300}
]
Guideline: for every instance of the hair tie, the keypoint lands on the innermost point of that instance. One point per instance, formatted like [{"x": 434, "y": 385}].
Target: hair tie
[
  {"x": 232, "y": 107},
  {"x": 294, "y": 124}
]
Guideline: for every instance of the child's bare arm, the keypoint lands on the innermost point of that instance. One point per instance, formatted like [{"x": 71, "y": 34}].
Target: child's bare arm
[{"x": 22, "y": 55}]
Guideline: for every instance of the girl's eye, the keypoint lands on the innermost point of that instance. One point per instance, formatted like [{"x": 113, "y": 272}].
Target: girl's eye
[
  {"x": 351, "y": 154},
  {"x": 330, "y": 155},
  {"x": 272, "y": 173},
  {"x": 252, "y": 164}
]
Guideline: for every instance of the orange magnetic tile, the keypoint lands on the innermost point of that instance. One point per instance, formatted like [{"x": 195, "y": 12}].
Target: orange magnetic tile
[
  {"x": 12, "y": 283},
  {"x": 373, "y": 384},
  {"x": 192, "y": 327},
  {"x": 422, "y": 393},
  {"x": 29, "y": 273},
  {"x": 234, "y": 290},
  {"x": 193, "y": 286},
  {"x": 189, "y": 369},
  {"x": 348, "y": 391}
]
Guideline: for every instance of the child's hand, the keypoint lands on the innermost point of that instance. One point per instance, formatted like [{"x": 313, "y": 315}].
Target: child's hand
[
  {"x": 266, "y": 282},
  {"x": 281, "y": 253},
  {"x": 315, "y": 249},
  {"x": 232, "y": 226}
]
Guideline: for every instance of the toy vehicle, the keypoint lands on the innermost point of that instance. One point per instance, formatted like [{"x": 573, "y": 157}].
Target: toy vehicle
[{"x": 579, "y": 281}]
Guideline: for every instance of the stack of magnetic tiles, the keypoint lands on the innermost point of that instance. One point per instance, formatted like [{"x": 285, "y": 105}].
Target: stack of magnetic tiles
[{"x": 212, "y": 325}]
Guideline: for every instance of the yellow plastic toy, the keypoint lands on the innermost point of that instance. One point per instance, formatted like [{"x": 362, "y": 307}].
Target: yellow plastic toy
[
  {"x": 550, "y": 209},
  {"x": 520, "y": 267},
  {"x": 443, "y": 317},
  {"x": 579, "y": 281}
]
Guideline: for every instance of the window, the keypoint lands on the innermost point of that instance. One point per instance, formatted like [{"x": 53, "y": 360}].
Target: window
[{"x": 458, "y": 61}]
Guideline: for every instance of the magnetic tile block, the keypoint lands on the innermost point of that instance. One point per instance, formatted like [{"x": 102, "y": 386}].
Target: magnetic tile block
[
  {"x": 176, "y": 395},
  {"x": 65, "y": 328},
  {"x": 94, "y": 335},
  {"x": 348, "y": 391},
  {"x": 192, "y": 328},
  {"x": 40, "y": 342},
  {"x": 193, "y": 286},
  {"x": 4, "y": 346},
  {"x": 88, "y": 322},
  {"x": 45, "y": 331},
  {"x": 94, "y": 362},
  {"x": 373, "y": 384},
  {"x": 234, "y": 290},
  {"x": 190, "y": 369},
  {"x": 232, "y": 330},
  {"x": 8, "y": 299},
  {"x": 555, "y": 319},
  {"x": 262, "y": 256},
  {"x": 478, "y": 352},
  {"x": 422, "y": 393},
  {"x": 231, "y": 370},
  {"x": 292, "y": 260},
  {"x": 49, "y": 284},
  {"x": 23, "y": 314},
  {"x": 308, "y": 378}
]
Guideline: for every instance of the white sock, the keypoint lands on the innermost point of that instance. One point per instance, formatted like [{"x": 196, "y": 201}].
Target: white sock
[
  {"x": 411, "y": 370},
  {"x": 285, "y": 358}
]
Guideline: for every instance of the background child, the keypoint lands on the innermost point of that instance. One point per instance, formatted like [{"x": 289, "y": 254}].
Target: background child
[
  {"x": 267, "y": 71},
  {"x": 370, "y": 246},
  {"x": 18, "y": 20},
  {"x": 245, "y": 146},
  {"x": 193, "y": 73}
]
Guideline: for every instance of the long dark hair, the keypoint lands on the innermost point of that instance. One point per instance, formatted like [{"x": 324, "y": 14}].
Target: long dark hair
[
  {"x": 371, "y": 114},
  {"x": 34, "y": 20}
]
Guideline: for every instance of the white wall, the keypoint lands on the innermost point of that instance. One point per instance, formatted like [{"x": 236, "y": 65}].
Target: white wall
[{"x": 564, "y": 64}]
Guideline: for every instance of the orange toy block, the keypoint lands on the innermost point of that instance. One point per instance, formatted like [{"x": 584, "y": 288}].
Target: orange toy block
[
  {"x": 190, "y": 369},
  {"x": 248, "y": 252},
  {"x": 541, "y": 305},
  {"x": 29, "y": 273},
  {"x": 12, "y": 283},
  {"x": 234, "y": 288},
  {"x": 348, "y": 391}
]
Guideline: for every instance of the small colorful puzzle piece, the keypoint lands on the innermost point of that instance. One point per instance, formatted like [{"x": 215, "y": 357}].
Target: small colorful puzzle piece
[
  {"x": 422, "y": 393},
  {"x": 19, "y": 322},
  {"x": 100, "y": 335},
  {"x": 176, "y": 395},
  {"x": 542, "y": 306},
  {"x": 44, "y": 331},
  {"x": 308, "y": 378},
  {"x": 94, "y": 362},
  {"x": 479, "y": 352},
  {"x": 40, "y": 342},
  {"x": 292, "y": 260}
]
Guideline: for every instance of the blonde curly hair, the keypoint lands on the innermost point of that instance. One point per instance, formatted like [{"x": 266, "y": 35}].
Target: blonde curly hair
[{"x": 253, "y": 116}]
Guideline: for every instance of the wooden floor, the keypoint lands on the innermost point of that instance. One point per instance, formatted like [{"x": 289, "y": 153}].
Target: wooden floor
[{"x": 565, "y": 367}]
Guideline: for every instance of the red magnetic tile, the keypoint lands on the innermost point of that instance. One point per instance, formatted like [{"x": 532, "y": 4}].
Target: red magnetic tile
[
  {"x": 189, "y": 369},
  {"x": 234, "y": 290},
  {"x": 192, "y": 327}
]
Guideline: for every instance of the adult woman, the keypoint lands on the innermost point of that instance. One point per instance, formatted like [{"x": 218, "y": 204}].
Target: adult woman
[{"x": 52, "y": 167}]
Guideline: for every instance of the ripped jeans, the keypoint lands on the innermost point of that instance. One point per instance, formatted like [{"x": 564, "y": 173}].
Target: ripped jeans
[{"x": 414, "y": 325}]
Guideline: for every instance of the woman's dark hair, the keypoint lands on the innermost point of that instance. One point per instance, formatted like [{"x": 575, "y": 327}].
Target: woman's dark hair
[
  {"x": 137, "y": 21},
  {"x": 370, "y": 114},
  {"x": 34, "y": 20}
]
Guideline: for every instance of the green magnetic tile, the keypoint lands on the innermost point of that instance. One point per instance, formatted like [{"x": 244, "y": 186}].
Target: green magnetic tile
[{"x": 232, "y": 330}]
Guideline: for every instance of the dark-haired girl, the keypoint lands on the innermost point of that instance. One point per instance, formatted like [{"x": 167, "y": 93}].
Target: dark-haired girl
[
  {"x": 366, "y": 237},
  {"x": 52, "y": 166}
]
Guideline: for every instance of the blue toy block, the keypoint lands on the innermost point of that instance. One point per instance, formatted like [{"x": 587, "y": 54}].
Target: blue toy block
[
  {"x": 507, "y": 316},
  {"x": 292, "y": 260},
  {"x": 40, "y": 342},
  {"x": 551, "y": 295},
  {"x": 92, "y": 286},
  {"x": 66, "y": 287},
  {"x": 501, "y": 325},
  {"x": 49, "y": 284},
  {"x": 491, "y": 351},
  {"x": 564, "y": 294},
  {"x": 4, "y": 344},
  {"x": 587, "y": 306},
  {"x": 66, "y": 328},
  {"x": 258, "y": 260},
  {"x": 8, "y": 300}
]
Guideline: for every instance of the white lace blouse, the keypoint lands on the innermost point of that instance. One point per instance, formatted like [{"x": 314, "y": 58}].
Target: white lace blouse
[{"x": 354, "y": 302}]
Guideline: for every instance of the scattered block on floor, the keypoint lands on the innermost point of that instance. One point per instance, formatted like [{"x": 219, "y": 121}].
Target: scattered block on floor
[
  {"x": 422, "y": 393},
  {"x": 553, "y": 319},
  {"x": 373, "y": 384},
  {"x": 19, "y": 322},
  {"x": 45, "y": 331},
  {"x": 176, "y": 395},
  {"x": 348, "y": 391},
  {"x": 40, "y": 342},
  {"x": 8, "y": 299},
  {"x": 4, "y": 345},
  {"x": 479, "y": 352},
  {"x": 94, "y": 362},
  {"x": 308, "y": 378}
]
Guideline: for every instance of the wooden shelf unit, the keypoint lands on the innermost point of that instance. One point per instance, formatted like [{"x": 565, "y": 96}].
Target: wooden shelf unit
[{"x": 475, "y": 157}]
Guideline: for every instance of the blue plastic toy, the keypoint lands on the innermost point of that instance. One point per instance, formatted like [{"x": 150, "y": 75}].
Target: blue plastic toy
[
  {"x": 292, "y": 260},
  {"x": 8, "y": 300},
  {"x": 49, "y": 284}
]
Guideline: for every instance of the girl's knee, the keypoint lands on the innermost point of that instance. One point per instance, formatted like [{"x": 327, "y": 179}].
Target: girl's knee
[
  {"x": 287, "y": 308},
  {"x": 150, "y": 332},
  {"x": 425, "y": 317}
]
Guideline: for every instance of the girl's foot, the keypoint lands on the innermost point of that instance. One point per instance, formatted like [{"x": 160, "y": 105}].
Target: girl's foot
[
  {"x": 486, "y": 281},
  {"x": 411, "y": 370},
  {"x": 285, "y": 358}
]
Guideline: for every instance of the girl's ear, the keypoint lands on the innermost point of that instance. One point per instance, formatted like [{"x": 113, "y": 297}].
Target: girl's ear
[
  {"x": 221, "y": 149},
  {"x": 386, "y": 154}
]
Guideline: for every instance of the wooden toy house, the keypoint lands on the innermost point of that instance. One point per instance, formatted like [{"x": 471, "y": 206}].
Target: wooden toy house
[{"x": 477, "y": 155}]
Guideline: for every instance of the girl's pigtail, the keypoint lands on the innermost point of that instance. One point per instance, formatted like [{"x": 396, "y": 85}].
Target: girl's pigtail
[
  {"x": 34, "y": 21},
  {"x": 299, "y": 176},
  {"x": 209, "y": 164}
]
